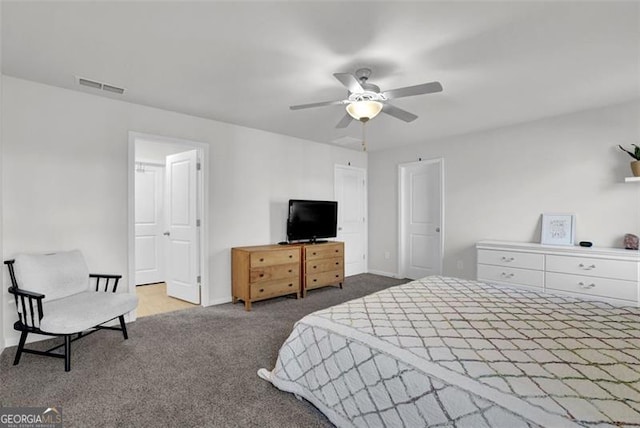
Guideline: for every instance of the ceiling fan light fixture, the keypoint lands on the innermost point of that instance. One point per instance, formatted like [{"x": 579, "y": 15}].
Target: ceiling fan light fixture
[{"x": 364, "y": 110}]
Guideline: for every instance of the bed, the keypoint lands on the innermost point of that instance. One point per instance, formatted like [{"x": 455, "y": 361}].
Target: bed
[{"x": 450, "y": 352}]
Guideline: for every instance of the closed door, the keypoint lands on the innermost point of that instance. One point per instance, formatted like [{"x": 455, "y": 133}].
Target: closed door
[
  {"x": 149, "y": 224},
  {"x": 351, "y": 194},
  {"x": 420, "y": 218},
  {"x": 182, "y": 259}
]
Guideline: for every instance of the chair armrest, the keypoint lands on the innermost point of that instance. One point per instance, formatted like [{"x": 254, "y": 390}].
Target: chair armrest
[
  {"x": 110, "y": 281},
  {"x": 19, "y": 292},
  {"x": 28, "y": 313}
]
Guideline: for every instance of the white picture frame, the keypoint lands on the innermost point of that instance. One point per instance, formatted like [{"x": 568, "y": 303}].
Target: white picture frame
[{"x": 558, "y": 229}]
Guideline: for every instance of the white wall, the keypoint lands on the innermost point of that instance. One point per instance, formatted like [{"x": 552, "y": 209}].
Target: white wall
[
  {"x": 65, "y": 178},
  {"x": 2, "y": 275},
  {"x": 497, "y": 183},
  {"x": 156, "y": 151}
]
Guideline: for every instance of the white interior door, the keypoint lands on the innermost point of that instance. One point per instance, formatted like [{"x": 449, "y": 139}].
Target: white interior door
[
  {"x": 181, "y": 203},
  {"x": 420, "y": 218},
  {"x": 351, "y": 194},
  {"x": 149, "y": 224}
]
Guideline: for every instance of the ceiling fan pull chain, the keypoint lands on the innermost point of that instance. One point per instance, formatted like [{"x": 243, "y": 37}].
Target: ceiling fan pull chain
[{"x": 364, "y": 141}]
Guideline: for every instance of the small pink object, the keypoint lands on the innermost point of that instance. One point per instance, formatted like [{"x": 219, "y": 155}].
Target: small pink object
[{"x": 631, "y": 241}]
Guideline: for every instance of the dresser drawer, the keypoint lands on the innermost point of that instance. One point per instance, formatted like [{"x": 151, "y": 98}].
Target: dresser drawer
[
  {"x": 601, "y": 287},
  {"x": 269, "y": 273},
  {"x": 324, "y": 278},
  {"x": 317, "y": 266},
  {"x": 531, "y": 278},
  {"x": 278, "y": 287},
  {"x": 511, "y": 259},
  {"x": 324, "y": 251},
  {"x": 618, "y": 269},
  {"x": 268, "y": 258}
]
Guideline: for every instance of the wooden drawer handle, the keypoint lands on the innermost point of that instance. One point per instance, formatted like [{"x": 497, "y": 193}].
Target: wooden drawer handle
[{"x": 582, "y": 266}]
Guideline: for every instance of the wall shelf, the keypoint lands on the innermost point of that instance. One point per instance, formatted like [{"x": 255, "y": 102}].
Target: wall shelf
[{"x": 632, "y": 179}]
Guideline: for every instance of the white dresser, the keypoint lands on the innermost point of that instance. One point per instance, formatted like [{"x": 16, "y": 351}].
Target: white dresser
[{"x": 608, "y": 274}]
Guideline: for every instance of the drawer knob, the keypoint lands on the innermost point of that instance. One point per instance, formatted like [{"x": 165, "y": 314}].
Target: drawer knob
[
  {"x": 507, "y": 259},
  {"x": 315, "y": 280},
  {"x": 290, "y": 270},
  {"x": 290, "y": 285},
  {"x": 591, "y": 266},
  {"x": 290, "y": 256},
  {"x": 337, "y": 263},
  {"x": 337, "y": 251},
  {"x": 586, "y": 286},
  {"x": 313, "y": 254},
  {"x": 262, "y": 259},
  {"x": 507, "y": 275},
  {"x": 337, "y": 276},
  {"x": 262, "y": 290}
]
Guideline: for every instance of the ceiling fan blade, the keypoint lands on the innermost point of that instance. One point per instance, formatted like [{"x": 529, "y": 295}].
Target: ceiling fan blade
[
  {"x": 350, "y": 82},
  {"x": 409, "y": 91},
  {"x": 320, "y": 104},
  {"x": 345, "y": 121},
  {"x": 398, "y": 113}
]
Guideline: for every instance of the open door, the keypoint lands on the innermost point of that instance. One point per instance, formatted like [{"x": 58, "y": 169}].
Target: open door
[{"x": 181, "y": 213}]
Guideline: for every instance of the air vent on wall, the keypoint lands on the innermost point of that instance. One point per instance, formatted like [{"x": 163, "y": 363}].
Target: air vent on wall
[{"x": 99, "y": 85}]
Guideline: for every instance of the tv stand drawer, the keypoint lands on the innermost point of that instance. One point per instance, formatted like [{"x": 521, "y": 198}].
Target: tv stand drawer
[
  {"x": 323, "y": 251},
  {"x": 275, "y": 257}
]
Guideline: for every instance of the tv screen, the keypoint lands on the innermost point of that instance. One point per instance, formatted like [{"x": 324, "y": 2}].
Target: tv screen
[{"x": 311, "y": 220}]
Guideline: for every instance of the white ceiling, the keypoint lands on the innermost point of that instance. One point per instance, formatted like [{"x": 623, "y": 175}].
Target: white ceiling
[{"x": 245, "y": 62}]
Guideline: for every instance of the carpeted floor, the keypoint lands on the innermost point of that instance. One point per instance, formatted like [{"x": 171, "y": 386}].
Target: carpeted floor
[{"x": 190, "y": 368}]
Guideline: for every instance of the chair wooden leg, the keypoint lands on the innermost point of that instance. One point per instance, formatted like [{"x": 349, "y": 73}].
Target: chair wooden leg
[
  {"x": 23, "y": 339},
  {"x": 67, "y": 353},
  {"x": 123, "y": 326}
]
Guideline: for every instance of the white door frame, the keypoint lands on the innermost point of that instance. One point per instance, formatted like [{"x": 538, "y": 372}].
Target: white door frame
[
  {"x": 402, "y": 267},
  {"x": 365, "y": 212},
  {"x": 203, "y": 150}
]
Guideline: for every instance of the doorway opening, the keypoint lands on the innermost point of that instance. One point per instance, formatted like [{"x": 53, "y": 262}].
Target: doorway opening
[
  {"x": 420, "y": 218},
  {"x": 167, "y": 222}
]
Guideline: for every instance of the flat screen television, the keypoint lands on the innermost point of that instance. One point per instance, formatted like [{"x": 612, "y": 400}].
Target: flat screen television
[{"x": 311, "y": 220}]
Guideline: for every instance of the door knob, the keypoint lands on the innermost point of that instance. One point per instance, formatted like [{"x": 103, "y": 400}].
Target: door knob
[
  {"x": 166, "y": 233},
  {"x": 437, "y": 229}
]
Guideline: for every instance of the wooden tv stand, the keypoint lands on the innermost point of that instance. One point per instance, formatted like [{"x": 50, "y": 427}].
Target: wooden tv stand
[{"x": 266, "y": 271}]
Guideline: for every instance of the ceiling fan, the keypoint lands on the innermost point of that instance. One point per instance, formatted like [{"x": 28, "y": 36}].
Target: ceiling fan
[{"x": 365, "y": 100}]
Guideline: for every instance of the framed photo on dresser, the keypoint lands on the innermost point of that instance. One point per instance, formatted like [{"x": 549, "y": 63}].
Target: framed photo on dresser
[{"x": 558, "y": 229}]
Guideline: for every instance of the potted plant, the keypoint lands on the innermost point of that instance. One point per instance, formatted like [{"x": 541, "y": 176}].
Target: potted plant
[{"x": 635, "y": 154}]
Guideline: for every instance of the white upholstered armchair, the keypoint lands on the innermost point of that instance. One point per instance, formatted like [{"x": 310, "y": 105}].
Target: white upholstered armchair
[{"x": 56, "y": 296}]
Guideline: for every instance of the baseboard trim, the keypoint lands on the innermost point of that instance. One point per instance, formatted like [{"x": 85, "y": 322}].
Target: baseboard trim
[
  {"x": 383, "y": 273},
  {"x": 220, "y": 301}
]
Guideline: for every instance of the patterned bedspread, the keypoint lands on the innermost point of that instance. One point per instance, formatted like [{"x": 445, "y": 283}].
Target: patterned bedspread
[{"x": 450, "y": 352}]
